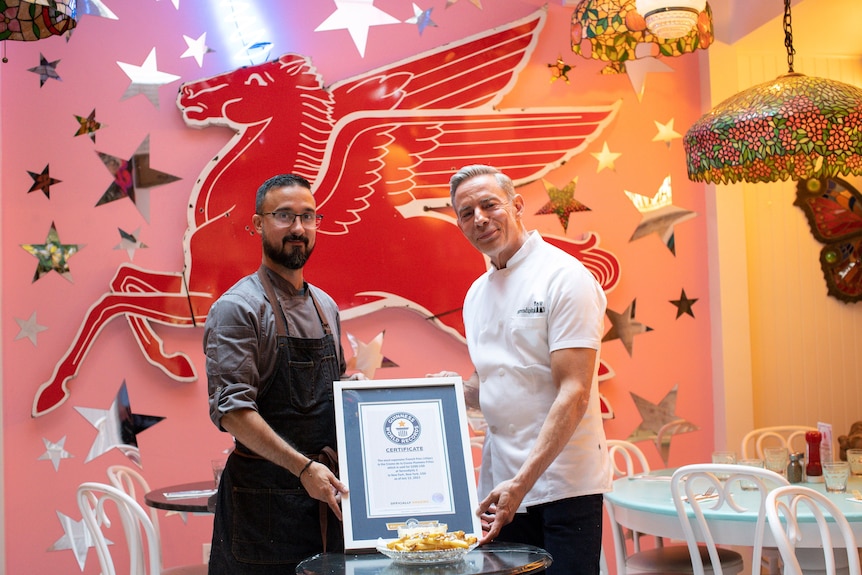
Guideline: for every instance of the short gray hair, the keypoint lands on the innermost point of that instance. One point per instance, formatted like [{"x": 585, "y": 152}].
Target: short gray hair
[{"x": 468, "y": 172}]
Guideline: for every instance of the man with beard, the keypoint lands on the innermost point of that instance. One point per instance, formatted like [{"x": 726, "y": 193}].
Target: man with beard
[{"x": 273, "y": 349}]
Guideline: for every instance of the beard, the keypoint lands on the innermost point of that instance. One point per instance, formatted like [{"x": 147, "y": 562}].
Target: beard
[{"x": 293, "y": 258}]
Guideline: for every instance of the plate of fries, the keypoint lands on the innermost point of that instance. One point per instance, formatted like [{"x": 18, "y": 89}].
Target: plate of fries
[{"x": 427, "y": 547}]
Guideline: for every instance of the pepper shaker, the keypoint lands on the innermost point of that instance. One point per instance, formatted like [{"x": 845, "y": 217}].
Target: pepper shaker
[{"x": 794, "y": 468}]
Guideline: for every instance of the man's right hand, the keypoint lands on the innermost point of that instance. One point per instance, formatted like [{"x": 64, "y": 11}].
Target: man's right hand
[{"x": 323, "y": 485}]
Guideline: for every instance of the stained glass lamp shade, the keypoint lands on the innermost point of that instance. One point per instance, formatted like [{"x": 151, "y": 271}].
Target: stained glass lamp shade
[{"x": 30, "y": 21}]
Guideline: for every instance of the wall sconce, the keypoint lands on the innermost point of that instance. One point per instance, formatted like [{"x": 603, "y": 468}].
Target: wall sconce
[
  {"x": 795, "y": 127},
  {"x": 670, "y": 18}
]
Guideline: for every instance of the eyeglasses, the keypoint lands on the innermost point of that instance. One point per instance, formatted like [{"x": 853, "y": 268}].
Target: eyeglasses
[{"x": 287, "y": 219}]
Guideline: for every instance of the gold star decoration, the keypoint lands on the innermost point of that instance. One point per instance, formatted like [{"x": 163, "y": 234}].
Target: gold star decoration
[
  {"x": 133, "y": 178},
  {"x": 606, "y": 158},
  {"x": 562, "y": 203},
  {"x": 659, "y": 215},
  {"x": 666, "y": 133},
  {"x": 88, "y": 125},
  {"x": 683, "y": 304},
  {"x": 52, "y": 255},
  {"x": 624, "y": 327},
  {"x": 42, "y": 182},
  {"x": 560, "y": 70}
]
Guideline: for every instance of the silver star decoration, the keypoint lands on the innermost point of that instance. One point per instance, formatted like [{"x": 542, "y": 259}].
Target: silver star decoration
[
  {"x": 422, "y": 18},
  {"x": 624, "y": 327},
  {"x": 659, "y": 215},
  {"x": 638, "y": 68},
  {"x": 660, "y": 419},
  {"x": 118, "y": 427},
  {"x": 29, "y": 328},
  {"x": 196, "y": 48},
  {"x": 76, "y": 537},
  {"x": 367, "y": 357},
  {"x": 95, "y": 8},
  {"x": 46, "y": 70},
  {"x": 129, "y": 242},
  {"x": 55, "y": 452},
  {"x": 146, "y": 79},
  {"x": 356, "y": 16}
]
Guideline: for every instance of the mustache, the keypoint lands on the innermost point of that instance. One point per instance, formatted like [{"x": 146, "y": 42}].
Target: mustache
[{"x": 302, "y": 239}]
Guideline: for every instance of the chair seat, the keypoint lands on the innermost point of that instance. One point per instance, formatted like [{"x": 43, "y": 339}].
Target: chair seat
[{"x": 676, "y": 559}]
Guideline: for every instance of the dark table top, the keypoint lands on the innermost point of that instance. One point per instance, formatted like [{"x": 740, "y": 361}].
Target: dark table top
[
  {"x": 202, "y": 503},
  {"x": 490, "y": 559}
]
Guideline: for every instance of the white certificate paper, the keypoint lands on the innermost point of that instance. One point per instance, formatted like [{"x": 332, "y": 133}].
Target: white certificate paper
[{"x": 405, "y": 460}]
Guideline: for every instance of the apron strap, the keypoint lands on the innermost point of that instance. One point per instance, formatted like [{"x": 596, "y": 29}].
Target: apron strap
[
  {"x": 329, "y": 458},
  {"x": 280, "y": 325}
]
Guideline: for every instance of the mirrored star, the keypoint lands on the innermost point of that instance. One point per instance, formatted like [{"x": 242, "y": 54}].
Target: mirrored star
[
  {"x": 606, "y": 158},
  {"x": 52, "y": 255},
  {"x": 55, "y": 452},
  {"x": 46, "y": 70},
  {"x": 666, "y": 133},
  {"x": 368, "y": 357},
  {"x": 88, "y": 125},
  {"x": 683, "y": 304},
  {"x": 660, "y": 419},
  {"x": 624, "y": 327},
  {"x": 95, "y": 8},
  {"x": 562, "y": 203},
  {"x": 76, "y": 537},
  {"x": 356, "y": 16},
  {"x": 146, "y": 79},
  {"x": 560, "y": 70},
  {"x": 422, "y": 18},
  {"x": 659, "y": 215},
  {"x": 133, "y": 178},
  {"x": 639, "y": 67},
  {"x": 29, "y": 328},
  {"x": 196, "y": 48},
  {"x": 118, "y": 427},
  {"x": 129, "y": 242},
  {"x": 42, "y": 181}
]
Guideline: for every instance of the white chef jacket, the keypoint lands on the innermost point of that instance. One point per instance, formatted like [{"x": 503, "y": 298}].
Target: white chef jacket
[{"x": 542, "y": 301}]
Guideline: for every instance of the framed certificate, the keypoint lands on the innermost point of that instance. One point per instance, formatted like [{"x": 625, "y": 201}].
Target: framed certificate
[{"x": 404, "y": 453}]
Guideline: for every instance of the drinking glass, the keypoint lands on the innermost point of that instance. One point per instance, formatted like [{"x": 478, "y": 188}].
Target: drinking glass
[
  {"x": 854, "y": 458},
  {"x": 835, "y": 473},
  {"x": 723, "y": 457},
  {"x": 745, "y": 484},
  {"x": 776, "y": 459}
]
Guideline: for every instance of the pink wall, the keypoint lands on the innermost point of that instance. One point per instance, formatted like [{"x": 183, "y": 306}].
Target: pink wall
[{"x": 38, "y": 127}]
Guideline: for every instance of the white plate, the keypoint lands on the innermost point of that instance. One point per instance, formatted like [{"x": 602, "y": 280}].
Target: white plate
[{"x": 424, "y": 557}]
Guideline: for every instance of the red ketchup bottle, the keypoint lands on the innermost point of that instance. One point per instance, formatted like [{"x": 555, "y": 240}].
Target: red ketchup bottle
[{"x": 813, "y": 469}]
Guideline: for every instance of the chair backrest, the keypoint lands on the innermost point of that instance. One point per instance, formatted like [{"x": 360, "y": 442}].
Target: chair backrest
[
  {"x": 144, "y": 553},
  {"x": 786, "y": 501},
  {"x": 627, "y": 459},
  {"x": 690, "y": 482},
  {"x": 133, "y": 484},
  {"x": 790, "y": 436}
]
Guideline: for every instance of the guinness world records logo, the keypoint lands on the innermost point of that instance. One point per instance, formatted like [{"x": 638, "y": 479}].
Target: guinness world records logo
[{"x": 402, "y": 428}]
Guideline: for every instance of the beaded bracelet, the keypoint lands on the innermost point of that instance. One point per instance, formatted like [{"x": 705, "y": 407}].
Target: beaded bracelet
[{"x": 307, "y": 465}]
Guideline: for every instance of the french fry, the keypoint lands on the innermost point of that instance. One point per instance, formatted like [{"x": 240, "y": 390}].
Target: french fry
[{"x": 432, "y": 541}]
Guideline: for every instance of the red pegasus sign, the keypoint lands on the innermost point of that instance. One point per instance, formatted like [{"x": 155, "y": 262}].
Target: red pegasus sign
[{"x": 379, "y": 149}]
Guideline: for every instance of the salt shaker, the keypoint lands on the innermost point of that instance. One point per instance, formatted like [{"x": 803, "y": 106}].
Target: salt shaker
[{"x": 794, "y": 468}]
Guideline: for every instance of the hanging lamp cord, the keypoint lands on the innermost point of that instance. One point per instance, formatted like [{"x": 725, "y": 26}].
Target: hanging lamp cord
[{"x": 788, "y": 36}]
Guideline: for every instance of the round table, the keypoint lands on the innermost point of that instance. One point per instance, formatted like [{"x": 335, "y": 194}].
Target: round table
[
  {"x": 197, "y": 497},
  {"x": 490, "y": 559}
]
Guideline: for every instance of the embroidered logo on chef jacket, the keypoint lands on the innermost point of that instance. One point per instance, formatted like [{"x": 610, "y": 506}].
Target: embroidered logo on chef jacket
[
  {"x": 534, "y": 309},
  {"x": 402, "y": 428}
]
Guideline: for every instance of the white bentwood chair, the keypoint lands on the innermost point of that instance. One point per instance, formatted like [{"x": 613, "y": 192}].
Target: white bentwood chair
[
  {"x": 627, "y": 460},
  {"x": 688, "y": 486},
  {"x": 145, "y": 555},
  {"x": 790, "y": 436},
  {"x": 786, "y": 501}
]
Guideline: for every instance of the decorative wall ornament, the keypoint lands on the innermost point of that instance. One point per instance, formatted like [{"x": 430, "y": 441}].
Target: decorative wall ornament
[
  {"x": 794, "y": 127},
  {"x": 834, "y": 211},
  {"x": 624, "y": 327},
  {"x": 29, "y": 21},
  {"x": 397, "y": 126},
  {"x": 613, "y": 30}
]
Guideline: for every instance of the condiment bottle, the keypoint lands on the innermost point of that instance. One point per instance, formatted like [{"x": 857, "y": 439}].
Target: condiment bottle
[
  {"x": 794, "y": 468},
  {"x": 813, "y": 469}
]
